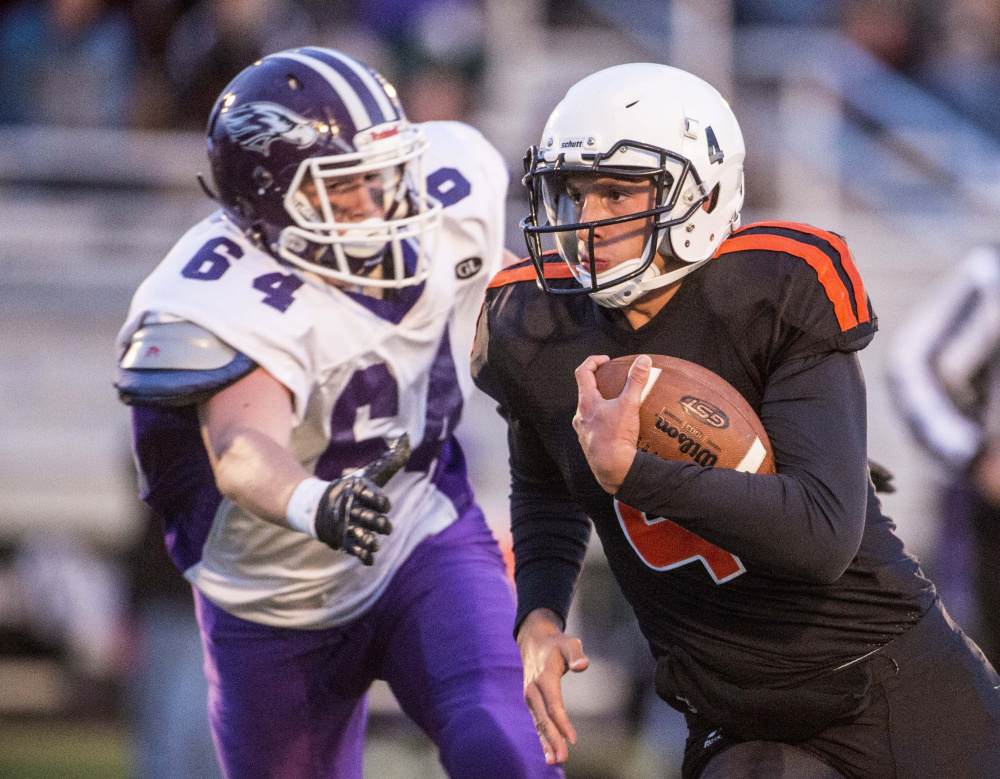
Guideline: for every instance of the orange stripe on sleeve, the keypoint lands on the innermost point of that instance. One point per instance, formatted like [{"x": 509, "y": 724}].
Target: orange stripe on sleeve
[
  {"x": 860, "y": 296},
  {"x": 818, "y": 261},
  {"x": 527, "y": 273}
]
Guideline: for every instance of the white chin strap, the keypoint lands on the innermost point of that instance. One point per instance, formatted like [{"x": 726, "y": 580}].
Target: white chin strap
[
  {"x": 365, "y": 240},
  {"x": 621, "y": 295}
]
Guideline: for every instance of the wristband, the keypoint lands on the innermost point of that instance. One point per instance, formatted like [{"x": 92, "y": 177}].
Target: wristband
[{"x": 301, "y": 509}]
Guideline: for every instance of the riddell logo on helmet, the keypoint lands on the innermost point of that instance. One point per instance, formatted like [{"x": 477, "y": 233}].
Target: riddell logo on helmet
[{"x": 378, "y": 135}]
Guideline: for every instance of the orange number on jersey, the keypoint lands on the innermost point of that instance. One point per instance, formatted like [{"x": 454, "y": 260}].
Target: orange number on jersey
[{"x": 663, "y": 545}]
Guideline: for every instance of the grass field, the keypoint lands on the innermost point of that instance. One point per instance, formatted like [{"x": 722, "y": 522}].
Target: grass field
[{"x": 63, "y": 751}]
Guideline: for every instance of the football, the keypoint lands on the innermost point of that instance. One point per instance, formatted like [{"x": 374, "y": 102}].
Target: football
[{"x": 689, "y": 413}]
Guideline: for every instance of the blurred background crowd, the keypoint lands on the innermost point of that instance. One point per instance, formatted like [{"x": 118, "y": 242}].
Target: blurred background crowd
[
  {"x": 878, "y": 119},
  {"x": 160, "y": 64}
]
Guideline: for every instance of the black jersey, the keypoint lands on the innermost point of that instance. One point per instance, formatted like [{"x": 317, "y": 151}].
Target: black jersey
[{"x": 766, "y": 579}]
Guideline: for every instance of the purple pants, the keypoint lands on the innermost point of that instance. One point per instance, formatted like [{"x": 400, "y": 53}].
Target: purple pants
[{"x": 292, "y": 704}]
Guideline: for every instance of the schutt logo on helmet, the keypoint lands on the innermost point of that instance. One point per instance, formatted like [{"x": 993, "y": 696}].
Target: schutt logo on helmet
[{"x": 256, "y": 126}]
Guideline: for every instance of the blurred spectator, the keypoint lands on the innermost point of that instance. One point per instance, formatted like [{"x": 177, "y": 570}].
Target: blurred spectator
[
  {"x": 964, "y": 68},
  {"x": 786, "y": 12},
  {"x": 71, "y": 595},
  {"x": 153, "y": 22},
  {"x": 580, "y": 13},
  {"x": 945, "y": 380},
  {"x": 438, "y": 50},
  {"x": 66, "y": 62},
  {"x": 214, "y": 41},
  {"x": 898, "y": 33},
  {"x": 167, "y": 697}
]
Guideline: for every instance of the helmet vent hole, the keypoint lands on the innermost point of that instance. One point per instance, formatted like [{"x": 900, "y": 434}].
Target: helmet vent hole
[
  {"x": 294, "y": 83},
  {"x": 713, "y": 200},
  {"x": 632, "y": 103}
]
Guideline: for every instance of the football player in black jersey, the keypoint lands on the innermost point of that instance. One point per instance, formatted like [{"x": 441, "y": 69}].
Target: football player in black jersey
[{"x": 788, "y": 622}]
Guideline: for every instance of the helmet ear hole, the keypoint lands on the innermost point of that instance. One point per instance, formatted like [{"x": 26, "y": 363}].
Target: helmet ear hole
[{"x": 713, "y": 200}]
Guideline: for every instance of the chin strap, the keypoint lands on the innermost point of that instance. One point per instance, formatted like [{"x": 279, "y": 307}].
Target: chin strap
[
  {"x": 366, "y": 240},
  {"x": 626, "y": 293}
]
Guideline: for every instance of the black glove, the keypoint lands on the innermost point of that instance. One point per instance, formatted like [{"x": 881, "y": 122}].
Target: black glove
[
  {"x": 881, "y": 477},
  {"x": 353, "y": 509}
]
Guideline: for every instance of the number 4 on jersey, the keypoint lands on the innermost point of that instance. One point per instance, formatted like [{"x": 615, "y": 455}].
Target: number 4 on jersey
[{"x": 662, "y": 545}]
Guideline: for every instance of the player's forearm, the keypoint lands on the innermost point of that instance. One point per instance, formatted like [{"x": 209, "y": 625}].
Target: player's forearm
[
  {"x": 805, "y": 522},
  {"x": 257, "y": 474},
  {"x": 550, "y": 541},
  {"x": 772, "y": 523}
]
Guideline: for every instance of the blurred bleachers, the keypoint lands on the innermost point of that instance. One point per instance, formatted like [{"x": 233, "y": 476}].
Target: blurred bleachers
[{"x": 837, "y": 137}]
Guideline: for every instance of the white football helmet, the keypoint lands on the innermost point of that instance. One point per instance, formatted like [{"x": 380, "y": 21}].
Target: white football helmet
[{"x": 645, "y": 121}]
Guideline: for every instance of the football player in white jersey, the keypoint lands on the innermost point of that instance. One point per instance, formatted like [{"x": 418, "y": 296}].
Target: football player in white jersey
[{"x": 296, "y": 367}]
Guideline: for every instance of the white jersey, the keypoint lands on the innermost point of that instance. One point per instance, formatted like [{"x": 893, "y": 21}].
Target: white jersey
[
  {"x": 360, "y": 369},
  {"x": 945, "y": 374}
]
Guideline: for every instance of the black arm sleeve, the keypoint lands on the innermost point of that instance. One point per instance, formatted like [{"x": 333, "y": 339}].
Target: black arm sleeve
[
  {"x": 806, "y": 522},
  {"x": 550, "y": 531}
]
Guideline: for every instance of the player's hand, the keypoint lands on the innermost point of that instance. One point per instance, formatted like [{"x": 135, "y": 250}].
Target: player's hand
[
  {"x": 881, "y": 477},
  {"x": 353, "y": 509},
  {"x": 547, "y": 653},
  {"x": 608, "y": 429}
]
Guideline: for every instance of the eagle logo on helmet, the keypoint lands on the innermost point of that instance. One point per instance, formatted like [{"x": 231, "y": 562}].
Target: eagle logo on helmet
[{"x": 256, "y": 126}]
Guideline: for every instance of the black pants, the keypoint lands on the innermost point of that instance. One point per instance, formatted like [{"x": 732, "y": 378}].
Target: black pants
[
  {"x": 934, "y": 714},
  {"x": 984, "y": 518}
]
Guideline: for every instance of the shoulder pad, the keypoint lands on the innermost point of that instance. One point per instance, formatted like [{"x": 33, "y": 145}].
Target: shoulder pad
[
  {"x": 827, "y": 255},
  {"x": 177, "y": 364},
  {"x": 810, "y": 280},
  {"x": 524, "y": 270}
]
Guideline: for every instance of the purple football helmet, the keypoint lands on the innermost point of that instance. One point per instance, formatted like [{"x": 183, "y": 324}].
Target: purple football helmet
[{"x": 286, "y": 129}]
